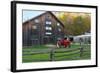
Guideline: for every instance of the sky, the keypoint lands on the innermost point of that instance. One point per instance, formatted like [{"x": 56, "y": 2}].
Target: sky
[{"x": 28, "y": 14}]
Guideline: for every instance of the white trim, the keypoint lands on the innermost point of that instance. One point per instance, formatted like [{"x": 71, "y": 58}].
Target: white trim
[
  {"x": 48, "y": 22},
  {"x": 48, "y": 33}
]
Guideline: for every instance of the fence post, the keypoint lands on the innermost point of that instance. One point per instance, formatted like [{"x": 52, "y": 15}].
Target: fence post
[
  {"x": 52, "y": 55},
  {"x": 81, "y": 51}
]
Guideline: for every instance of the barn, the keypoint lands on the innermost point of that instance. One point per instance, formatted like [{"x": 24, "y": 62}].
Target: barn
[{"x": 45, "y": 28}]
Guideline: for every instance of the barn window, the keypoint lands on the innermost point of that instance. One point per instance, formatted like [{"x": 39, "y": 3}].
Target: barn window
[
  {"x": 34, "y": 27},
  {"x": 48, "y": 33},
  {"x": 48, "y": 22},
  {"x": 59, "y": 29},
  {"x": 58, "y": 24},
  {"x": 36, "y": 21},
  {"x": 48, "y": 28}
]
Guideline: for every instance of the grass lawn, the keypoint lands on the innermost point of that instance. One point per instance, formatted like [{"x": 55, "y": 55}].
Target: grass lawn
[{"x": 42, "y": 53}]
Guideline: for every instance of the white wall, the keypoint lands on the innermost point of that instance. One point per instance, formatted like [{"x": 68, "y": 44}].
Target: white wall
[{"x": 5, "y": 36}]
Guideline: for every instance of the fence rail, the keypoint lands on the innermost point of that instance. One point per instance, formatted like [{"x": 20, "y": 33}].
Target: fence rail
[
  {"x": 52, "y": 52},
  {"x": 32, "y": 52}
]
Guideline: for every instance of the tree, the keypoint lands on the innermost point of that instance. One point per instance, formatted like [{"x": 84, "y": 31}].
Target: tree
[{"x": 75, "y": 23}]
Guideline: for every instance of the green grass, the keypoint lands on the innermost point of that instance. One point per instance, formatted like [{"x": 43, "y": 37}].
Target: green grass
[
  {"x": 38, "y": 57},
  {"x": 29, "y": 53}
]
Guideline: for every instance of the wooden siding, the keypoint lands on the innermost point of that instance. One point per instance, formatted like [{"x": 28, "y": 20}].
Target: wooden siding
[{"x": 37, "y": 36}]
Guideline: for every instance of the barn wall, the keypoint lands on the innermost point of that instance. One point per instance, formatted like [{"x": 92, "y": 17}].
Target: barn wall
[{"x": 29, "y": 33}]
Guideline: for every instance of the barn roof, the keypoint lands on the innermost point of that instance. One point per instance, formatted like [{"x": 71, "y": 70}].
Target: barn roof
[{"x": 44, "y": 14}]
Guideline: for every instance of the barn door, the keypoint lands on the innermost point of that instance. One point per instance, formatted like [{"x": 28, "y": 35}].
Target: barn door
[{"x": 48, "y": 40}]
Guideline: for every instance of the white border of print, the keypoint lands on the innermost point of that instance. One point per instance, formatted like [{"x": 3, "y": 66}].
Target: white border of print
[{"x": 36, "y": 65}]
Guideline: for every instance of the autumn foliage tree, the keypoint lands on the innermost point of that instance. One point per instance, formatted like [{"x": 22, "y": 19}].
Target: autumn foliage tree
[{"x": 75, "y": 23}]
